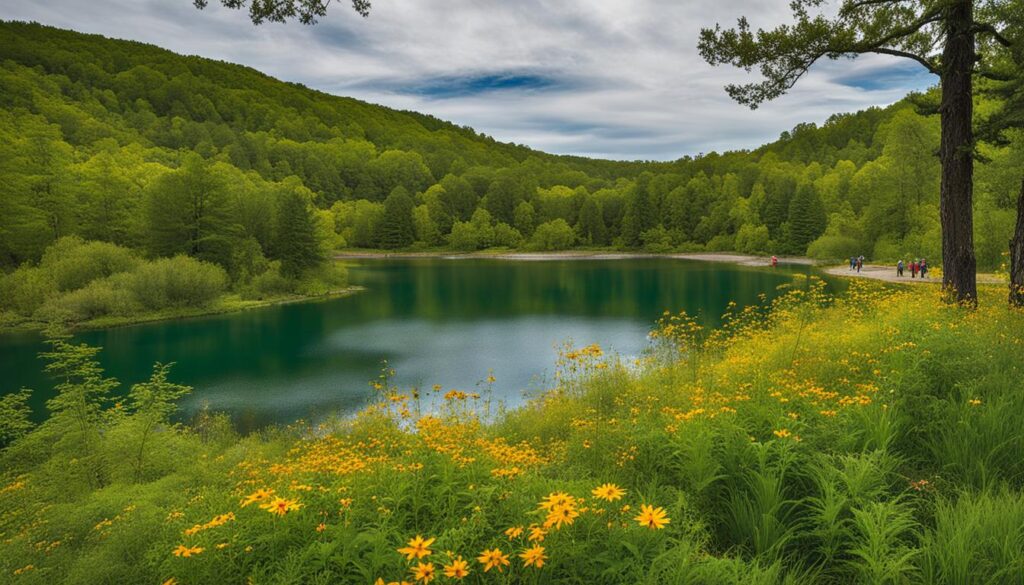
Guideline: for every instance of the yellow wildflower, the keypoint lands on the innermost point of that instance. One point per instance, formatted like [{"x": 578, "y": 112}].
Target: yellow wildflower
[
  {"x": 423, "y": 572},
  {"x": 459, "y": 569},
  {"x": 609, "y": 492},
  {"x": 514, "y": 532},
  {"x": 533, "y": 557},
  {"x": 418, "y": 548},
  {"x": 256, "y": 496},
  {"x": 652, "y": 517},
  {"x": 187, "y": 551},
  {"x": 492, "y": 559},
  {"x": 281, "y": 506}
]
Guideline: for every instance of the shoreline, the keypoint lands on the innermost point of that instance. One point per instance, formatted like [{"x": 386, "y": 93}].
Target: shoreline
[
  {"x": 888, "y": 274},
  {"x": 234, "y": 306},
  {"x": 723, "y": 257}
]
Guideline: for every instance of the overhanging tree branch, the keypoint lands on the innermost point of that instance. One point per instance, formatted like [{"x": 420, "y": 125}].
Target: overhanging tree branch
[{"x": 931, "y": 67}]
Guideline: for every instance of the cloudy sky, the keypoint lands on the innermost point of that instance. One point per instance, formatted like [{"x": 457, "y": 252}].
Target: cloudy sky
[{"x": 608, "y": 78}]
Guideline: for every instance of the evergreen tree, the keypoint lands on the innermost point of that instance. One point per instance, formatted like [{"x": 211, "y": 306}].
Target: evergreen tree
[
  {"x": 591, "y": 226},
  {"x": 807, "y": 219},
  {"x": 188, "y": 212},
  {"x": 396, "y": 229},
  {"x": 295, "y": 240}
]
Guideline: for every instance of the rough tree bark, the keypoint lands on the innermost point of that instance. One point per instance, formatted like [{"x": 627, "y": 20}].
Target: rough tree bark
[
  {"x": 1017, "y": 255},
  {"x": 957, "y": 152}
]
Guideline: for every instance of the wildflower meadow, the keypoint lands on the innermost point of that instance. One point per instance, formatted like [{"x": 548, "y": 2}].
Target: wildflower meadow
[{"x": 873, "y": 436}]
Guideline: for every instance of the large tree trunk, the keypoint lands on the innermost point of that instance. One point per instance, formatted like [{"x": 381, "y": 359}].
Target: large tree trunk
[
  {"x": 1017, "y": 256},
  {"x": 959, "y": 267}
]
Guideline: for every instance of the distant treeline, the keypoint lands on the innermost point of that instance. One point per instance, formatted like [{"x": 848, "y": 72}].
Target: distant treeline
[{"x": 169, "y": 155}]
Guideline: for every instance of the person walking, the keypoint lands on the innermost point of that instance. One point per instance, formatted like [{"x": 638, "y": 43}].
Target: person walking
[
  {"x": 853, "y": 262},
  {"x": 924, "y": 268},
  {"x": 860, "y": 264},
  {"x": 899, "y": 268},
  {"x": 913, "y": 269},
  {"x": 775, "y": 261}
]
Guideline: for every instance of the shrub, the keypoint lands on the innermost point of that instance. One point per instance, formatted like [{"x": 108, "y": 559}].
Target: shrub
[
  {"x": 656, "y": 239},
  {"x": 722, "y": 243},
  {"x": 553, "y": 235},
  {"x": 752, "y": 239},
  {"x": 834, "y": 247},
  {"x": 25, "y": 290},
  {"x": 464, "y": 237},
  {"x": 73, "y": 262},
  {"x": 99, "y": 298},
  {"x": 177, "y": 282},
  {"x": 507, "y": 236}
]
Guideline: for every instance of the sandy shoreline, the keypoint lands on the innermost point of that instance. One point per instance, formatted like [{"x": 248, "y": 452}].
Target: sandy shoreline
[{"x": 729, "y": 257}]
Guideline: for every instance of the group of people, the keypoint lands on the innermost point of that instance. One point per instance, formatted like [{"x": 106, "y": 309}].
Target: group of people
[
  {"x": 856, "y": 263},
  {"x": 916, "y": 267}
]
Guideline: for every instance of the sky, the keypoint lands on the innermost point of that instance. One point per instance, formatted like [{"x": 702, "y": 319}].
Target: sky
[{"x": 618, "y": 79}]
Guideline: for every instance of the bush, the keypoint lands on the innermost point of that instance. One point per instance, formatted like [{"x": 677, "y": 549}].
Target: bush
[
  {"x": 73, "y": 262},
  {"x": 752, "y": 239},
  {"x": 722, "y": 243},
  {"x": 328, "y": 278},
  {"x": 464, "y": 237},
  {"x": 834, "y": 247},
  {"x": 100, "y": 298},
  {"x": 177, "y": 282},
  {"x": 25, "y": 290},
  {"x": 270, "y": 283},
  {"x": 553, "y": 235},
  {"x": 656, "y": 239},
  {"x": 507, "y": 236}
]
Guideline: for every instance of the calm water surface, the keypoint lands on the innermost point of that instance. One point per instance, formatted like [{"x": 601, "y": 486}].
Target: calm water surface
[{"x": 435, "y": 321}]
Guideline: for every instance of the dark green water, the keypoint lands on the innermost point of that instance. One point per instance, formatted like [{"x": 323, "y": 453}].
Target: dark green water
[{"x": 436, "y": 321}]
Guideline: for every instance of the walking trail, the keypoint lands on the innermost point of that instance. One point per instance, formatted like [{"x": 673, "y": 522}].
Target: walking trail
[{"x": 888, "y": 274}]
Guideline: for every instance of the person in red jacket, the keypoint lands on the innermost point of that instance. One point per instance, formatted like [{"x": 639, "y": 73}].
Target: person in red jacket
[
  {"x": 775, "y": 261},
  {"x": 913, "y": 269}
]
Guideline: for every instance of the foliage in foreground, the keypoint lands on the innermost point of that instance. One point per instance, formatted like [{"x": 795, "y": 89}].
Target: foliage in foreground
[{"x": 873, "y": 438}]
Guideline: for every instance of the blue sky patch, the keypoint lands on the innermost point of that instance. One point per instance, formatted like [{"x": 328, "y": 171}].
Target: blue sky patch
[
  {"x": 901, "y": 74},
  {"x": 468, "y": 85}
]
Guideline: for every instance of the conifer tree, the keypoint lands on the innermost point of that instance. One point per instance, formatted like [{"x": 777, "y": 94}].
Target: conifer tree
[
  {"x": 807, "y": 219},
  {"x": 396, "y": 229},
  {"x": 295, "y": 241}
]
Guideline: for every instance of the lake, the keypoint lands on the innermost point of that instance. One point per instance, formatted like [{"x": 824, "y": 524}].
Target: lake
[{"x": 435, "y": 321}]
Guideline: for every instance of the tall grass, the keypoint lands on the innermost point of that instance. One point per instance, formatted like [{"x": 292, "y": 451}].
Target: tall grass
[{"x": 869, "y": 438}]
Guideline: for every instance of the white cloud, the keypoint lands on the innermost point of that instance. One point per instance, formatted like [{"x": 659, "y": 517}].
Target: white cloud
[{"x": 627, "y": 79}]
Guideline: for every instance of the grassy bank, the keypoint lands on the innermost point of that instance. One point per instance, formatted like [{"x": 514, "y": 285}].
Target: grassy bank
[
  {"x": 873, "y": 438},
  {"x": 229, "y": 303}
]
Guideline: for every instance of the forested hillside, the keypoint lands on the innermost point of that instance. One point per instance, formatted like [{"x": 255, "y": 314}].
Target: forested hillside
[{"x": 165, "y": 155}]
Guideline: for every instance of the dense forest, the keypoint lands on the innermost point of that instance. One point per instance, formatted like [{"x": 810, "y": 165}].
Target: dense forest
[{"x": 249, "y": 183}]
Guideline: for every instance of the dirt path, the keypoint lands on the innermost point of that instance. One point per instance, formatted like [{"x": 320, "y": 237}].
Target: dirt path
[{"x": 888, "y": 274}]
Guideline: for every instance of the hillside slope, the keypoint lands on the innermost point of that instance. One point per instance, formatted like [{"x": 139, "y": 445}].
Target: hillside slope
[{"x": 89, "y": 123}]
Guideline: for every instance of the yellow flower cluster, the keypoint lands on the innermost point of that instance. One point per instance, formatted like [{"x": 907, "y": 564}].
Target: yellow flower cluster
[{"x": 218, "y": 520}]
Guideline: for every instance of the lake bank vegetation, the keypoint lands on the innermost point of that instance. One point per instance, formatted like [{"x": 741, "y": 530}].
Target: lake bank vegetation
[{"x": 870, "y": 437}]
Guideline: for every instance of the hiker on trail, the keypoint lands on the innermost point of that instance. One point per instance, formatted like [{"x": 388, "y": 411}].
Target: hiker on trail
[
  {"x": 913, "y": 269},
  {"x": 853, "y": 262},
  {"x": 899, "y": 268},
  {"x": 775, "y": 261},
  {"x": 924, "y": 267},
  {"x": 860, "y": 264}
]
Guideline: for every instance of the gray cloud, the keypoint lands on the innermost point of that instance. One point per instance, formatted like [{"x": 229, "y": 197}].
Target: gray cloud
[{"x": 588, "y": 77}]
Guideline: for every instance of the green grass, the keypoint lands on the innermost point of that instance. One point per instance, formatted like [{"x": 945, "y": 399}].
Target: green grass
[{"x": 873, "y": 438}]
